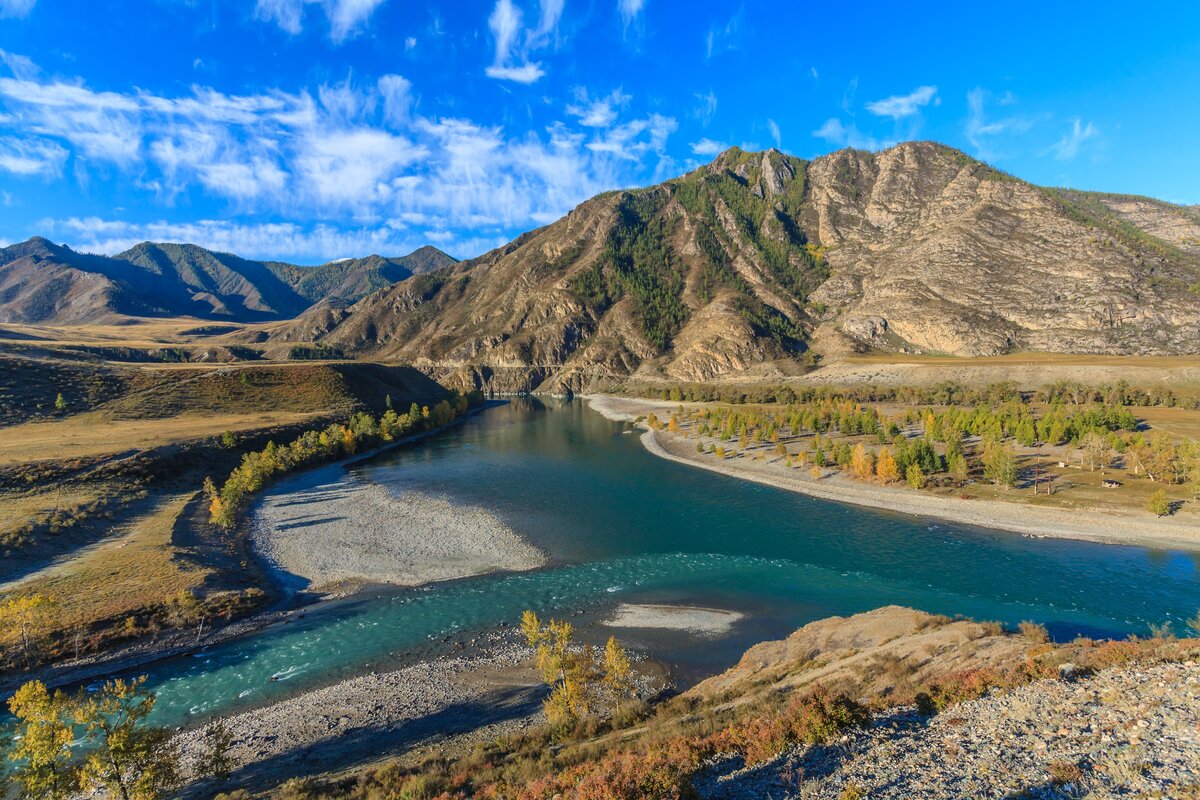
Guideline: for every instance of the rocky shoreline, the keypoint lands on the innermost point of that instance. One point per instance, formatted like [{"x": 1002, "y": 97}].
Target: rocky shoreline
[
  {"x": 1128, "y": 529},
  {"x": 469, "y": 698}
]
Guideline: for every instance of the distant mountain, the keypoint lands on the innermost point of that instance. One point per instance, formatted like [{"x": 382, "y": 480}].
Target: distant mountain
[
  {"x": 752, "y": 261},
  {"x": 41, "y": 282}
]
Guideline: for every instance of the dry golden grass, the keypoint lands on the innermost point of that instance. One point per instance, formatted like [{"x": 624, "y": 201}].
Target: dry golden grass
[
  {"x": 134, "y": 569},
  {"x": 138, "y": 332},
  {"x": 86, "y": 435},
  {"x": 17, "y": 510}
]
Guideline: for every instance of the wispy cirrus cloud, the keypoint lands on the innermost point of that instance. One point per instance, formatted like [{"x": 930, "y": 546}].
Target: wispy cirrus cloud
[
  {"x": 706, "y": 108},
  {"x": 727, "y": 37},
  {"x": 1067, "y": 148},
  {"x": 346, "y": 18},
  {"x": 631, "y": 15},
  {"x": 16, "y": 8},
  {"x": 986, "y": 133},
  {"x": 901, "y": 106},
  {"x": 31, "y": 156},
  {"x": 514, "y": 43}
]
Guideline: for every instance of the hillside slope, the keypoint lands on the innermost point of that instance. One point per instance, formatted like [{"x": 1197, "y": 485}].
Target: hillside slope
[
  {"x": 750, "y": 261},
  {"x": 44, "y": 283}
]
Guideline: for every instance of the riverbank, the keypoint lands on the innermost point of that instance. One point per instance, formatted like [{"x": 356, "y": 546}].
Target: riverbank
[
  {"x": 1131, "y": 528},
  {"x": 491, "y": 692}
]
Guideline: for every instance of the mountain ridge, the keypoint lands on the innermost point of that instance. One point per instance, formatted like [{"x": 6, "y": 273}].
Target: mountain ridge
[
  {"x": 757, "y": 260},
  {"x": 42, "y": 282}
]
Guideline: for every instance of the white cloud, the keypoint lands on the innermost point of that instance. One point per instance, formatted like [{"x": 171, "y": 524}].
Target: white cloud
[
  {"x": 410, "y": 43},
  {"x": 836, "y": 132},
  {"x": 773, "y": 127},
  {"x": 352, "y": 168},
  {"x": 346, "y": 17},
  {"x": 630, "y": 10},
  {"x": 1068, "y": 146},
  {"x": 505, "y": 23},
  {"x": 22, "y": 67},
  {"x": 707, "y": 108},
  {"x": 344, "y": 151},
  {"x": 284, "y": 13},
  {"x": 724, "y": 38},
  {"x": 984, "y": 134},
  {"x": 397, "y": 98},
  {"x": 547, "y": 29},
  {"x": 16, "y": 8},
  {"x": 599, "y": 113},
  {"x": 904, "y": 105},
  {"x": 31, "y": 157},
  {"x": 632, "y": 140},
  {"x": 312, "y": 243},
  {"x": 708, "y": 147},
  {"x": 526, "y": 73}
]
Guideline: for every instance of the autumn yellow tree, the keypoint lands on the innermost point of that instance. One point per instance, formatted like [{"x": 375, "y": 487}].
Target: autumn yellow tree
[
  {"x": 127, "y": 758},
  {"x": 24, "y": 621},
  {"x": 885, "y": 466},
  {"x": 563, "y": 670},
  {"x": 862, "y": 462},
  {"x": 618, "y": 674},
  {"x": 41, "y": 751}
]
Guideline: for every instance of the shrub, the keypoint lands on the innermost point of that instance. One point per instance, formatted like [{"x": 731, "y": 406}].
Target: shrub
[
  {"x": 1064, "y": 772},
  {"x": 1034, "y": 632}
]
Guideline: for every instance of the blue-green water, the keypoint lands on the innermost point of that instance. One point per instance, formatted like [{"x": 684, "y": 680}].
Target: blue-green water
[{"x": 625, "y": 526}]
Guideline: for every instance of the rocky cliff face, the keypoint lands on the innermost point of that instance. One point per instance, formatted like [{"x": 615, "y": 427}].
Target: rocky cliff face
[{"x": 752, "y": 261}]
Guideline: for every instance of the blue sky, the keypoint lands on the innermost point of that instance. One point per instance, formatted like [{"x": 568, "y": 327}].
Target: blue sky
[{"x": 314, "y": 129}]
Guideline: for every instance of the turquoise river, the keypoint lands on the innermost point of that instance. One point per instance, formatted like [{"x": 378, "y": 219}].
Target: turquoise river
[{"x": 624, "y": 526}]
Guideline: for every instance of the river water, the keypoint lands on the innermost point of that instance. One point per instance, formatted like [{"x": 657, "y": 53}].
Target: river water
[{"x": 624, "y": 526}]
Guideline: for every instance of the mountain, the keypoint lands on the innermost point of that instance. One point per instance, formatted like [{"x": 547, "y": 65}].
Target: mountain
[
  {"x": 41, "y": 282},
  {"x": 756, "y": 260}
]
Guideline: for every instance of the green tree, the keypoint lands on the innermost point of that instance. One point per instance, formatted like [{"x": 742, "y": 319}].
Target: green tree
[
  {"x": 956, "y": 463},
  {"x": 42, "y": 751},
  {"x": 215, "y": 761},
  {"x": 126, "y": 757},
  {"x": 60, "y": 405},
  {"x": 915, "y": 476},
  {"x": 999, "y": 463},
  {"x": 1159, "y": 504}
]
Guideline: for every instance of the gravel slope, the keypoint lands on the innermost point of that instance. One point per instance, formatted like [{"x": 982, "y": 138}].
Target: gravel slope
[{"x": 1127, "y": 732}]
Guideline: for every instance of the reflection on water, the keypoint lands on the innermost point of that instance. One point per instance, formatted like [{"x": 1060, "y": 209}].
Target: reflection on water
[{"x": 625, "y": 526}]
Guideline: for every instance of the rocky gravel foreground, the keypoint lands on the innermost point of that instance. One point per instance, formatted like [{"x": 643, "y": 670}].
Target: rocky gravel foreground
[{"x": 1125, "y": 732}]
